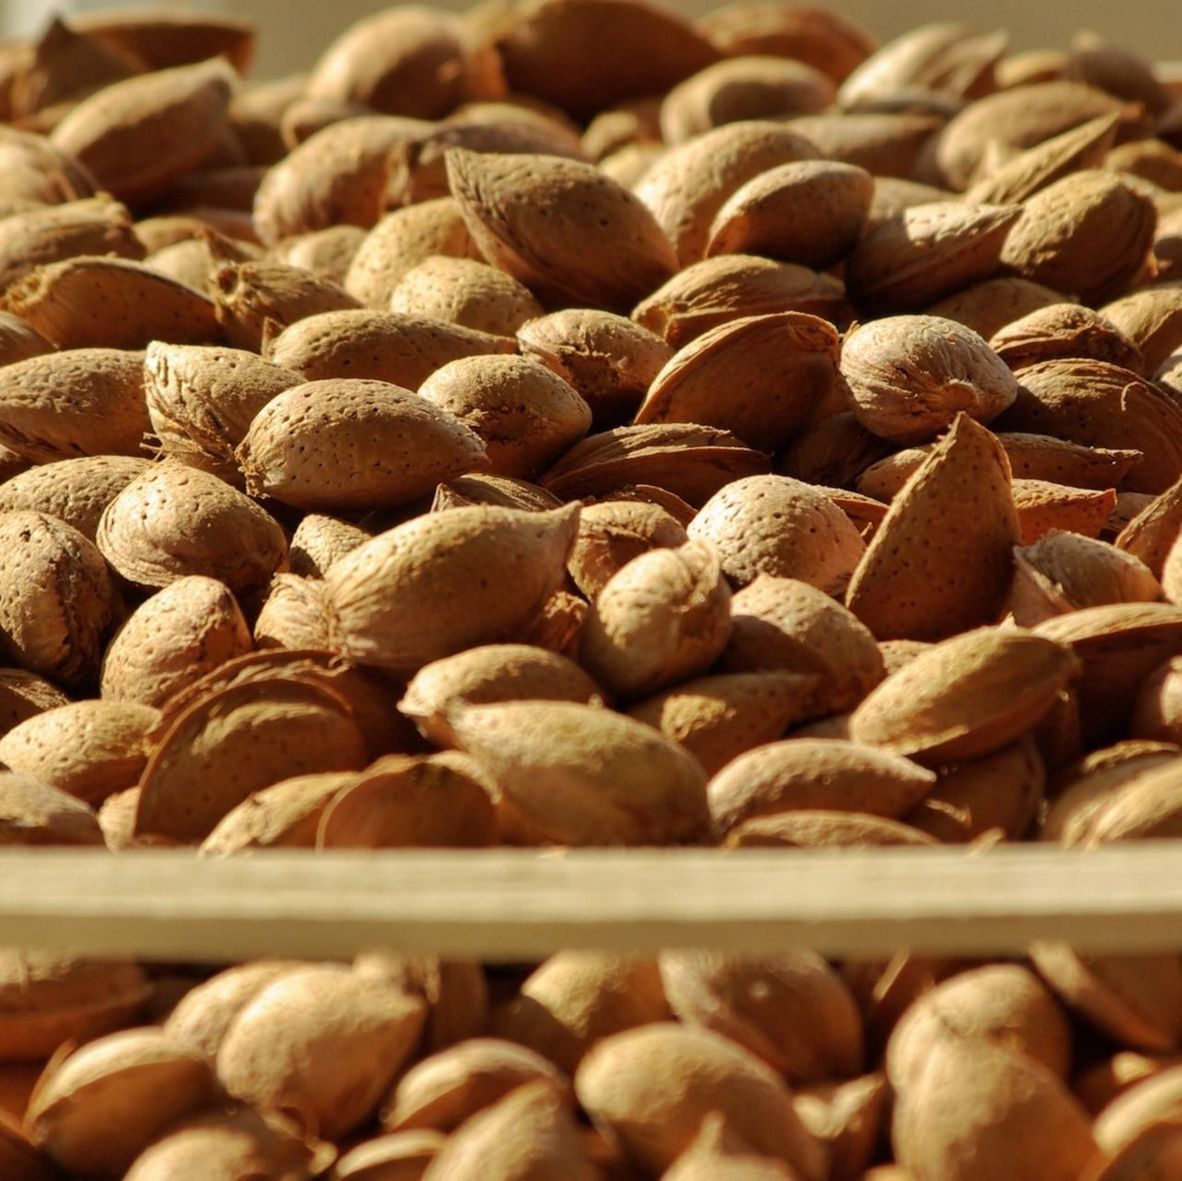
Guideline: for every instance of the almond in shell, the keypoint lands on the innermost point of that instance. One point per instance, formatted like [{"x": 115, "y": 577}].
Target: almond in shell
[
  {"x": 319, "y": 540},
  {"x": 990, "y": 304},
  {"x": 1044, "y": 507},
  {"x": 294, "y": 614},
  {"x": 23, "y": 695},
  {"x": 176, "y": 520},
  {"x": 34, "y": 813},
  {"x": 463, "y": 291},
  {"x": 20, "y": 341},
  {"x": 73, "y": 490},
  {"x": 351, "y": 444},
  {"x": 1065, "y": 330},
  {"x": 612, "y": 533},
  {"x": 1152, "y": 320},
  {"x": 883, "y": 143}
]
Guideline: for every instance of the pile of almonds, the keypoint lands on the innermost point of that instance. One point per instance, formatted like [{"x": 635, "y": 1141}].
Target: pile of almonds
[{"x": 570, "y": 424}]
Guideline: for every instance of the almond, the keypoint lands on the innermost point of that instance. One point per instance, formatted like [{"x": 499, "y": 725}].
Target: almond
[
  {"x": 73, "y": 490},
  {"x": 715, "y": 291},
  {"x": 834, "y": 452},
  {"x": 411, "y": 595},
  {"x": 902, "y": 587},
  {"x": 400, "y": 1151},
  {"x": 294, "y": 614},
  {"x": 1043, "y": 507},
  {"x": 232, "y": 742},
  {"x": 24, "y": 695},
  {"x": 596, "y": 778},
  {"x": 175, "y": 520},
  {"x": 623, "y": 254},
  {"x": 201, "y": 401},
  {"x": 608, "y": 359},
  {"x": 989, "y": 305},
  {"x": 1152, "y": 531},
  {"x": 928, "y": 252},
  {"x": 20, "y": 341},
  {"x": 612, "y": 533},
  {"x": 782, "y": 527},
  {"x": 718, "y": 1152},
  {"x": 691, "y": 461},
  {"x": 140, "y": 136},
  {"x": 1152, "y": 320},
  {"x": 402, "y": 240},
  {"x": 525, "y": 415},
  {"x": 463, "y": 291},
  {"x": 497, "y": 491},
  {"x": 807, "y": 773},
  {"x": 910, "y": 376},
  {"x": 88, "y": 748},
  {"x": 381, "y": 346},
  {"x": 1099, "y": 404},
  {"x": 818, "y": 828},
  {"x": 57, "y": 599},
  {"x": 966, "y": 697},
  {"x": 76, "y": 402},
  {"x": 488, "y": 674},
  {"x": 885, "y": 144},
  {"x": 810, "y": 212},
  {"x": 787, "y": 625},
  {"x": 1062, "y": 331},
  {"x": 777, "y": 371},
  {"x": 319, "y": 540},
  {"x": 663, "y": 617},
  {"x": 34, "y": 813},
  {"x": 91, "y": 302},
  {"x": 177, "y": 636},
  {"x": 346, "y": 444}
]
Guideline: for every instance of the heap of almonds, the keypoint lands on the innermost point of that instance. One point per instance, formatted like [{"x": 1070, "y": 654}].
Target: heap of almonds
[{"x": 570, "y": 424}]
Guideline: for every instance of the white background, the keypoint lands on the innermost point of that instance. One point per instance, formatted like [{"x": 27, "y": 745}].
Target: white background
[{"x": 293, "y": 32}]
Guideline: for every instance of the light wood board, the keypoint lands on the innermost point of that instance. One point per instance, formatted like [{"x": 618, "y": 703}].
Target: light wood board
[{"x": 510, "y": 905}]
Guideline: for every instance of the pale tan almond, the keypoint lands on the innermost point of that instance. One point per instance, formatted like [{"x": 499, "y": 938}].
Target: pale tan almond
[
  {"x": 991, "y": 304},
  {"x": 885, "y": 144},
  {"x": 294, "y": 615},
  {"x": 34, "y": 813},
  {"x": 463, "y": 291},
  {"x": 319, "y": 540},
  {"x": 327, "y": 253},
  {"x": 1152, "y": 320}
]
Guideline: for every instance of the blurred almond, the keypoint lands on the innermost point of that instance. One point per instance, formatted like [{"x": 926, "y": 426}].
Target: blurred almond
[{"x": 1064, "y": 331}]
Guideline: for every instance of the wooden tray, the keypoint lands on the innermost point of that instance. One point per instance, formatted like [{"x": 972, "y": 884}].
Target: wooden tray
[{"x": 521, "y": 905}]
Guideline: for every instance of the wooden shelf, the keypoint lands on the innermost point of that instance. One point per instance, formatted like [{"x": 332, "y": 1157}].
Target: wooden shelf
[{"x": 522, "y": 904}]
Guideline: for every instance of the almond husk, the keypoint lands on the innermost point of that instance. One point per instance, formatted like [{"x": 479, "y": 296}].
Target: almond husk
[
  {"x": 574, "y": 999},
  {"x": 337, "y": 176},
  {"x": 688, "y": 460},
  {"x": 488, "y": 674},
  {"x": 402, "y": 240},
  {"x": 1064, "y": 331},
  {"x": 320, "y": 1044},
  {"x": 92, "y": 302},
  {"x": 810, "y": 212},
  {"x": 791, "y": 1010},
  {"x": 201, "y": 401},
  {"x": 910, "y": 376},
  {"x": 73, "y": 490},
  {"x": 177, "y": 636},
  {"x": 717, "y": 718},
  {"x": 617, "y": 1084},
  {"x": 689, "y": 184},
  {"x": 928, "y": 252},
  {"x": 404, "y": 801},
  {"x": 87, "y": 748},
  {"x": 716, "y": 291},
  {"x": 139, "y": 136},
  {"x": 810, "y": 774},
  {"x": 379, "y": 346},
  {"x": 351, "y": 445},
  {"x": 446, "y": 1089},
  {"x": 787, "y": 625},
  {"x": 57, "y": 599},
  {"x": 525, "y": 415},
  {"x": 1087, "y": 234},
  {"x": 77, "y": 402},
  {"x": 966, "y": 697},
  {"x": 233, "y": 742},
  {"x": 1000, "y": 793},
  {"x": 776, "y": 371},
  {"x": 782, "y": 527},
  {"x": 903, "y": 587},
  {"x": 562, "y": 51},
  {"x": 409, "y": 596},
  {"x": 175, "y": 520},
  {"x": 623, "y": 254},
  {"x": 142, "y": 1074}
]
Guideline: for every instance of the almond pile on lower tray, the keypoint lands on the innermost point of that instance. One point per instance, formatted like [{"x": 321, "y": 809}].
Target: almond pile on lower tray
[{"x": 568, "y": 423}]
